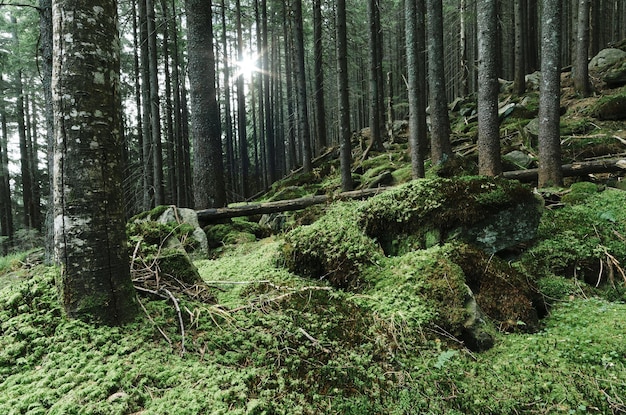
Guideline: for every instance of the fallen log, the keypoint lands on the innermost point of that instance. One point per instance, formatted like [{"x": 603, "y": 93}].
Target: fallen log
[
  {"x": 575, "y": 169},
  {"x": 208, "y": 216}
]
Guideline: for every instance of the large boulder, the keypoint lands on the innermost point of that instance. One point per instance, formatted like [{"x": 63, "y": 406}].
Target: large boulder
[
  {"x": 492, "y": 213},
  {"x": 610, "y": 66}
]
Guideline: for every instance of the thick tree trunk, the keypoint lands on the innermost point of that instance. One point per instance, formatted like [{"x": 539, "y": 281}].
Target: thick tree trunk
[
  {"x": 208, "y": 179},
  {"x": 148, "y": 171},
  {"x": 519, "y": 77},
  {"x": 550, "y": 96},
  {"x": 489, "y": 161},
  {"x": 89, "y": 218},
  {"x": 343, "y": 93}
]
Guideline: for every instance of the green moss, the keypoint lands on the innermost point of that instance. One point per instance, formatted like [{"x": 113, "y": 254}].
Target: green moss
[
  {"x": 236, "y": 231},
  {"x": 583, "y": 240},
  {"x": 427, "y": 207},
  {"x": 334, "y": 248},
  {"x": 579, "y": 192}
]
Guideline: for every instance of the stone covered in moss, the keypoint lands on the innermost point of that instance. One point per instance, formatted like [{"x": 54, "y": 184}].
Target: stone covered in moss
[
  {"x": 585, "y": 240},
  {"x": 611, "y": 107},
  {"x": 579, "y": 192},
  {"x": 333, "y": 248},
  {"x": 234, "y": 232},
  {"x": 491, "y": 213}
]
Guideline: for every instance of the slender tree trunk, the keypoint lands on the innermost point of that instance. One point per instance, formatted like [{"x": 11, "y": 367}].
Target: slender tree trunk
[
  {"x": 440, "y": 148},
  {"x": 550, "y": 173},
  {"x": 519, "y": 77},
  {"x": 343, "y": 92},
  {"x": 230, "y": 166},
  {"x": 182, "y": 191},
  {"x": 489, "y": 162},
  {"x": 581, "y": 68},
  {"x": 320, "y": 106},
  {"x": 89, "y": 217},
  {"x": 416, "y": 69},
  {"x": 148, "y": 171},
  {"x": 242, "y": 122},
  {"x": 270, "y": 147},
  {"x": 155, "y": 107},
  {"x": 6, "y": 205},
  {"x": 208, "y": 179},
  {"x": 45, "y": 51},
  {"x": 464, "y": 87},
  {"x": 375, "y": 72},
  {"x": 170, "y": 188},
  {"x": 303, "y": 113},
  {"x": 141, "y": 186}
]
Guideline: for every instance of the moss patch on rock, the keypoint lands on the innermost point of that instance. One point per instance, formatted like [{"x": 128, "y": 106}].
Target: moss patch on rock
[
  {"x": 585, "y": 240},
  {"x": 333, "y": 248},
  {"x": 425, "y": 212}
]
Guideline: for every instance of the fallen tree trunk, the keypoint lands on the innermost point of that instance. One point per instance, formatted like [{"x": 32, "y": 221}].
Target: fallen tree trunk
[
  {"x": 208, "y": 216},
  {"x": 574, "y": 169}
]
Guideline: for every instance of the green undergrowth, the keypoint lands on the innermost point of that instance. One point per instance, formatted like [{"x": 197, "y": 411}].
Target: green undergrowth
[{"x": 280, "y": 346}]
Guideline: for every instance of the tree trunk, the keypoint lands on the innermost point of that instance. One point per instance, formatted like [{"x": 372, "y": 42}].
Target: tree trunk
[
  {"x": 375, "y": 73},
  {"x": 550, "y": 173},
  {"x": 155, "y": 107},
  {"x": 320, "y": 105},
  {"x": 241, "y": 113},
  {"x": 519, "y": 77},
  {"x": 6, "y": 206},
  {"x": 581, "y": 67},
  {"x": 489, "y": 162},
  {"x": 343, "y": 93},
  {"x": 148, "y": 171},
  {"x": 230, "y": 171},
  {"x": 303, "y": 113},
  {"x": 208, "y": 179},
  {"x": 440, "y": 148},
  {"x": 89, "y": 219},
  {"x": 416, "y": 69},
  {"x": 170, "y": 188}
]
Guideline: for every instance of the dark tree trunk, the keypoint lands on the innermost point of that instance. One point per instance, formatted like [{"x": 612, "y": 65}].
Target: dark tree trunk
[
  {"x": 343, "y": 93},
  {"x": 550, "y": 173},
  {"x": 581, "y": 68},
  {"x": 270, "y": 147},
  {"x": 230, "y": 172},
  {"x": 303, "y": 113},
  {"x": 89, "y": 218},
  {"x": 242, "y": 128},
  {"x": 489, "y": 162},
  {"x": 155, "y": 107},
  {"x": 148, "y": 172},
  {"x": 6, "y": 209},
  {"x": 170, "y": 188},
  {"x": 440, "y": 148},
  {"x": 208, "y": 179},
  {"x": 320, "y": 106},
  {"x": 375, "y": 60},
  {"x": 519, "y": 76},
  {"x": 416, "y": 69}
]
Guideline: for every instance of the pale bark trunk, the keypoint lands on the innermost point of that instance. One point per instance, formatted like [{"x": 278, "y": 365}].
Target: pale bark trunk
[{"x": 89, "y": 218}]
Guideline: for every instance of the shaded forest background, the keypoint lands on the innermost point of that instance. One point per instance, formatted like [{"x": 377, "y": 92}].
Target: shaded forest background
[{"x": 259, "y": 88}]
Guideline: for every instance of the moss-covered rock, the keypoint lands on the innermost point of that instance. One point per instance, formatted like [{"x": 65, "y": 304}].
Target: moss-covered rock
[
  {"x": 492, "y": 213},
  {"x": 579, "y": 192},
  {"x": 585, "y": 240},
  {"x": 333, "y": 248},
  {"x": 611, "y": 107},
  {"x": 234, "y": 232},
  {"x": 504, "y": 294}
]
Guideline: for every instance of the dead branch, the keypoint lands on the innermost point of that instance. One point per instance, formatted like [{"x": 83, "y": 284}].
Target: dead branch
[{"x": 575, "y": 169}]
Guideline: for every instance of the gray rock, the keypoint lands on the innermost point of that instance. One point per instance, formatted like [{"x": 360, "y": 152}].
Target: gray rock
[
  {"x": 532, "y": 127},
  {"x": 189, "y": 216},
  {"x": 475, "y": 334},
  {"x": 605, "y": 58},
  {"x": 518, "y": 158}
]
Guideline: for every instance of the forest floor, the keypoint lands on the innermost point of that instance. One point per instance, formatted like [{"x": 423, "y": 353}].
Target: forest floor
[{"x": 273, "y": 342}]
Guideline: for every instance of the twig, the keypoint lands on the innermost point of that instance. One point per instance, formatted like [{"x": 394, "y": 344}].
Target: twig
[
  {"x": 180, "y": 320},
  {"x": 278, "y": 298},
  {"x": 154, "y": 323},
  {"x": 313, "y": 340}
]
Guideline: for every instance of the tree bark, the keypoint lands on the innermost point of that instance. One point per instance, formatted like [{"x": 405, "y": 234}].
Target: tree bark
[
  {"x": 489, "y": 161},
  {"x": 580, "y": 169},
  {"x": 581, "y": 66},
  {"x": 416, "y": 70},
  {"x": 375, "y": 72},
  {"x": 550, "y": 173},
  {"x": 519, "y": 77},
  {"x": 303, "y": 113},
  {"x": 343, "y": 92},
  {"x": 241, "y": 113},
  {"x": 320, "y": 105},
  {"x": 208, "y": 179},
  {"x": 440, "y": 147},
  {"x": 89, "y": 218}
]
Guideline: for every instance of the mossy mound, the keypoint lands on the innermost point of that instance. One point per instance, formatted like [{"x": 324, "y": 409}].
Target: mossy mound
[
  {"x": 334, "y": 248},
  {"x": 508, "y": 297},
  {"x": 423, "y": 213},
  {"x": 234, "y": 232},
  {"x": 585, "y": 240},
  {"x": 610, "y": 107}
]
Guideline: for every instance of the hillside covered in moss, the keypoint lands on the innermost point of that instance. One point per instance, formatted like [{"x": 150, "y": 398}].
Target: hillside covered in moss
[{"x": 399, "y": 304}]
